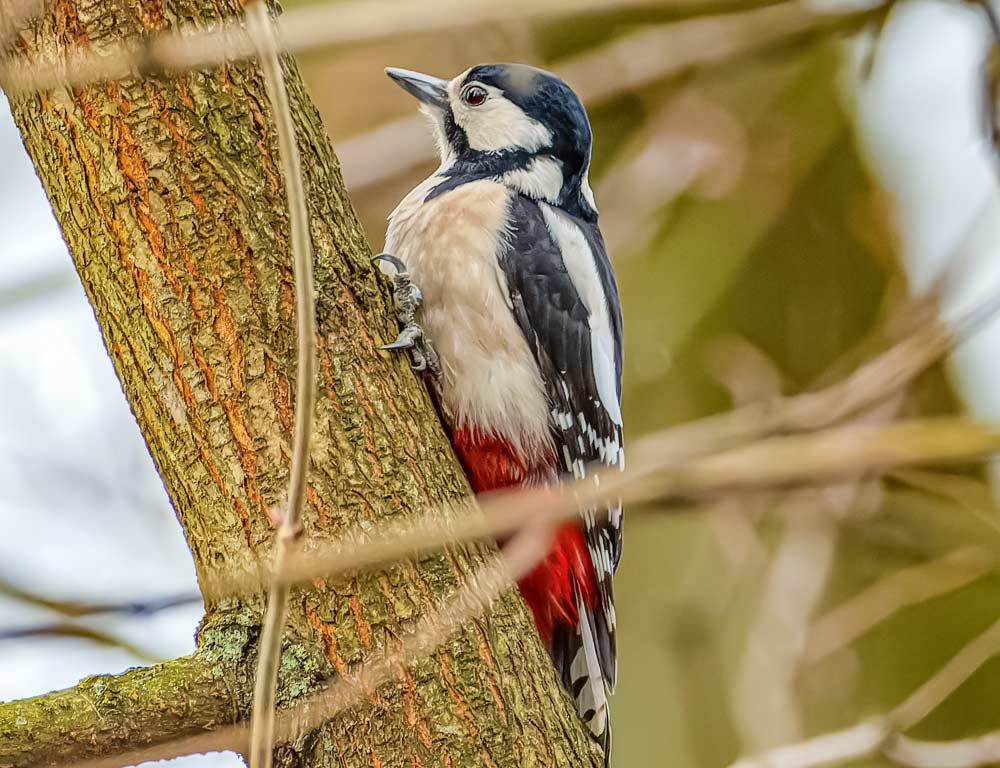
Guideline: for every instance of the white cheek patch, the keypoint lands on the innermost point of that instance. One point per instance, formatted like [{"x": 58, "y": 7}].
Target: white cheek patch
[
  {"x": 542, "y": 179},
  {"x": 497, "y": 123}
]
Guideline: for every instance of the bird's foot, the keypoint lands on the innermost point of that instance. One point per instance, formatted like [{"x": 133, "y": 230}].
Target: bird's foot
[{"x": 408, "y": 299}]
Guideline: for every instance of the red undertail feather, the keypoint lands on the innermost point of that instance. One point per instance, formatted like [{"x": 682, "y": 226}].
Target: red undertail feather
[{"x": 492, "y": 463}]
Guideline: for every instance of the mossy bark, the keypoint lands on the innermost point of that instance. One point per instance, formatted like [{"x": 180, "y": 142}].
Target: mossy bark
[{"x": 169, "y": 195}]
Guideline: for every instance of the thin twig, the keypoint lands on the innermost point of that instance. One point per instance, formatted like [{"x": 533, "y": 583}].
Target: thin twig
[
  {"x": 885, "y": 733},
  {"x": 73, "y": 630},
  {"x": 873, "y": 382},
  {"x": 77, "y": 608},
  {"x": 852, "y": 743},
  {"x": 946, "y": 680},
  {"x": 962, "y": 753},
  {"x": 261, "y": 29},
  {"x": 859, "y": 614}
]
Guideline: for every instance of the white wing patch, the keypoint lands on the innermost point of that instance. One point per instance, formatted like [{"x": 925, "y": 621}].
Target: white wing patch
[
  {"x": 589, "y": 694},
  {"x": 542, "y": 179},
  {"x": 582, "y": 270}
]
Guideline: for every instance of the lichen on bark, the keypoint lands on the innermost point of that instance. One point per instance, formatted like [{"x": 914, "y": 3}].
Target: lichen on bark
[{"x": 169, "y": 197}]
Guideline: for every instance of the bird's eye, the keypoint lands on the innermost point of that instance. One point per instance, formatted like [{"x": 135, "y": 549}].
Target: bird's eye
[{"x": 474, "y": 95}]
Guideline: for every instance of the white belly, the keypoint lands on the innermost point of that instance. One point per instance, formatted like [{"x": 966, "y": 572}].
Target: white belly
[{"x": 449, "y": 245}]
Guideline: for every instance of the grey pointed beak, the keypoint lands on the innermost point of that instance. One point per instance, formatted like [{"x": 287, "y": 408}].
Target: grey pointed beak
[{"x": 427, "y": 89}]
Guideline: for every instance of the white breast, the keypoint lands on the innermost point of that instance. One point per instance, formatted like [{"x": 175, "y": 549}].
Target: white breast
[{"x": 449, "y": 245}]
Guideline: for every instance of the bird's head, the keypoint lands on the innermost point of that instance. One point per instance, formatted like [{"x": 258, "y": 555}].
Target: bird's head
[{"x": 520, "y": 125}]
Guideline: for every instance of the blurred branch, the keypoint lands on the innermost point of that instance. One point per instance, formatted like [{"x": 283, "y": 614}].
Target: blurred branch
[
  {"x": 77, "y": 609},
  {"x": 859, "y": 614},
  {"x": 301, "y": 29},
  {"x": 15, "y": 15},
  {"x": 819, "y": 458},
  {"x": 963, "y": 753},
  {"x": 33, "y": 288},
  {"x": 946, "y": 680},
  {"x": 289, "y": 535},
  {"x": 623, "y": 65},
  {"x": 884, "y": 734},
  {"x": 859, "y": 741},
  {"x": 872, "y": 382},
  {"x": 80, "y": 632}
]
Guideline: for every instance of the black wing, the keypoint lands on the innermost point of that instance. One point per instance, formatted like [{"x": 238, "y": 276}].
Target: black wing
[{"x": 578, "y": 349}]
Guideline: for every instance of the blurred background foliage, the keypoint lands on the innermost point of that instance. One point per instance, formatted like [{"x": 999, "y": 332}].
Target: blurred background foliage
[{"x": 755, "y": 249}]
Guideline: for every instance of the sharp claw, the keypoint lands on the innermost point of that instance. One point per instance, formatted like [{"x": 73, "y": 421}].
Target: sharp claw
[
  {"x": 396, "y": 345},
  {"x": 396, "y": 263}
]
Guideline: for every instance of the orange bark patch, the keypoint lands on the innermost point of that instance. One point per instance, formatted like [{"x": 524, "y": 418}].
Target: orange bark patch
[
  {"x": 225, "y": 329},
  {"x": 205, "y": 369},
  {"x": 181, "y": 382},
  {"x": 411, "y": 709},
  {"x": 444, "y": 663},
  {"x": 151, "y": 13},
  {"x": 212, "y": 471},
  {"x": 89, "y": 109},
  {"x": 132, "y": 164},
  {"x": 262, "y": 127},
  {"x": 52, "y": 138},
  {"x": 281, "y": 394},
  {"x": 327, "y": 369},
  {"x": 67, "y": 25},
  {"x": 491, "y": 682},
  {"x": 330, "y": 647},
  {"x": 313, "y": 498},
  {"x": 364, "y": 628},
  {"x": 245, "y": 445},
  {"x": 245, "y": 521},
  {"x": 182, "y": 90},
  {"x": 196, "y": 199}
]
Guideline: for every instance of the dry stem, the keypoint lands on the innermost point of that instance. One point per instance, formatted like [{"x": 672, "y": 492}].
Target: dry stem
[{"x": 261, "y": 29}]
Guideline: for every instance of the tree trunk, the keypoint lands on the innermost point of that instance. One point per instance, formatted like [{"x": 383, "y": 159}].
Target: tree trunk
[{"x": 169, "y": 195}]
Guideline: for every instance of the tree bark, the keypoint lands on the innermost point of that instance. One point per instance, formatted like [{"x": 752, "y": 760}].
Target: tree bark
[{"x": 169, "y": 195}]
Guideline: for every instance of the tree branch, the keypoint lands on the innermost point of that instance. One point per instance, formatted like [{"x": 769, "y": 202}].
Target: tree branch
[{"x": 183, "y": 697}]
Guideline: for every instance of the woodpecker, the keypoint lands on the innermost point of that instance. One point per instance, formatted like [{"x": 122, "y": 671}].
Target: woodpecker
[{"x": 501, "y": 252}]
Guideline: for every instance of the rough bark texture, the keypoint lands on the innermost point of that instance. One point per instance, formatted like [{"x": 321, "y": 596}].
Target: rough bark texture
[
  {"x": 187, "y": 697},
  {"x": 169, "y": 196}
]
